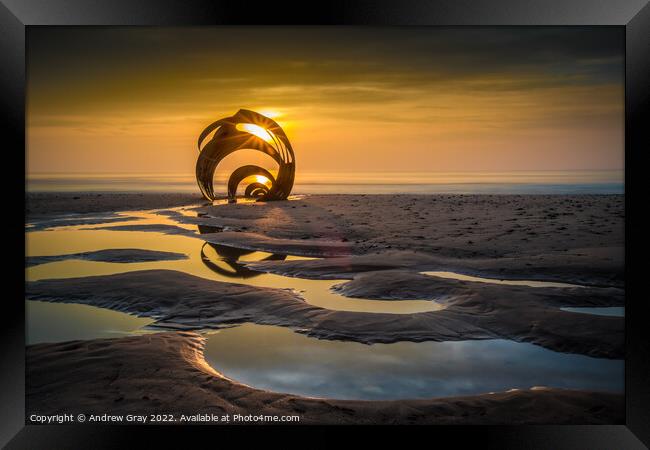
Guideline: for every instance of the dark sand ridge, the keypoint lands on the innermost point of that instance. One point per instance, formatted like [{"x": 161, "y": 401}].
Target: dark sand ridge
[
  {"x": 575, "y": 267},
  {"x": 166, "y": 373},
  {"x": 473, "y": 310},
  {"x": 40, "y": 205},
  {"x": 51, "y": 221},
  {"x": 115, "y": 255},
  {"x": 150, "y": 227},
  {"x": 320, "y": 248}
]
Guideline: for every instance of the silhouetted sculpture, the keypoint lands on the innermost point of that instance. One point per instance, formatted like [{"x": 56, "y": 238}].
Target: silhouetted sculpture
[{"x": 231, "y": 135}]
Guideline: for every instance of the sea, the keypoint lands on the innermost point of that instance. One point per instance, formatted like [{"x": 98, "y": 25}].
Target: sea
[{"x": 512, "y": 182}]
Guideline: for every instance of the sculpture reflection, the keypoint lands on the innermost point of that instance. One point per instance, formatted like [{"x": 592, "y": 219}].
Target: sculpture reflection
[
  {"x": 246, "y": 130},
  {"x": 224, "y": 260}
]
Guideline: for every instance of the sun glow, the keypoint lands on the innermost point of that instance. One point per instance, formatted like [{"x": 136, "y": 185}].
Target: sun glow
[
  {"x": 270, "y": 114},
  {"x": 261, "y": 179},
  {"x": 255, "y": 130}
]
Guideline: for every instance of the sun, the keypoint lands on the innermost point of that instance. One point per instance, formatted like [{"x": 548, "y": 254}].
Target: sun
[
  {"x": 261, "y": 179},
  {"x": 255, "y": 130}
]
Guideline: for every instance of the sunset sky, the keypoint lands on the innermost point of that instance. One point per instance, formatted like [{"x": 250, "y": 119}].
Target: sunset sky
[{"x": 134, "y": 100}]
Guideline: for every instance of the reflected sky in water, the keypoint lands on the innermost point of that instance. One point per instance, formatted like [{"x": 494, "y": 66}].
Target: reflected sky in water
[
  {"x": 531, "y": 283},
  {"x": 281, "y": 360},
  {"x": 614, "y": 311},
  {"x": 206, "y": 261},
  {"x": 58, "y": 322}
]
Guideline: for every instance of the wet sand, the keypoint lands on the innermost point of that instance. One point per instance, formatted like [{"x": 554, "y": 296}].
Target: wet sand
[
  {"x": 381, "y": 244},
  {"x": 166, "y": 373},
  {"x": 577, "y": 238},
  {"x": 472, "y": 310},
  {"x": 118, "y": 255},
  {"x": 566, "y": 238},
  {"x": 46, "y": 204}
]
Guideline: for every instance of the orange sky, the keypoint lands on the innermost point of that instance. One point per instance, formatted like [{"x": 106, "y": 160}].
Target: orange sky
[{"x": 353, "y": 99}]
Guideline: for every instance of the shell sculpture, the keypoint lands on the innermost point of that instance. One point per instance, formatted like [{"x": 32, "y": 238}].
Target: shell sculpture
[{"x": 246, "y": 130}]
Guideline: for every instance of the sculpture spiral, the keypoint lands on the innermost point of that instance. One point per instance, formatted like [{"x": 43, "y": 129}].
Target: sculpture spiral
[{"x": 234, "y": 133}]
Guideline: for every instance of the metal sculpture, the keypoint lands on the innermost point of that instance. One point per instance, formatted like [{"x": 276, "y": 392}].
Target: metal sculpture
[{"x": 246, "y": 130}]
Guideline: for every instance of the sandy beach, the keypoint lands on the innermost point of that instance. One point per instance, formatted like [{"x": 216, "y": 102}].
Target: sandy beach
[{"x": 383, "y": 247}]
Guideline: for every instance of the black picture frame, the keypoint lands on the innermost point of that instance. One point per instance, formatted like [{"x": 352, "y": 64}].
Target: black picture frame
[{"x": 633, "y": 15}]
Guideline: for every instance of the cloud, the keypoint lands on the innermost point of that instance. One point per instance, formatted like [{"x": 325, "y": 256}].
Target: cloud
[{"x": 465, "y": 87}]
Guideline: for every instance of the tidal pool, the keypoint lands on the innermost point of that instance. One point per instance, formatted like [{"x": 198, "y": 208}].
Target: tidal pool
[
  {"x": 211, "y": 261},
  {"x": 614, "y": 311},
  {"x": 531, "y": 283},
  {"x": 58, "y": 322},
  {"x": 280, "y": 360}
]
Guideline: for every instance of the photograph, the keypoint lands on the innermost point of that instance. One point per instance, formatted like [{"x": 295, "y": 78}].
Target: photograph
[{"x": 325, "y": 225}]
